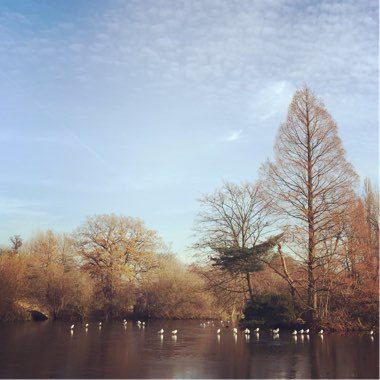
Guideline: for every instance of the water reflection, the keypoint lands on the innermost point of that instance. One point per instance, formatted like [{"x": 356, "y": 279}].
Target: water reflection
[{"x": 45, "y": 350}]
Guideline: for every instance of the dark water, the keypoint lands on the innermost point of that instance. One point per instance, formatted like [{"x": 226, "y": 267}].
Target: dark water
[{"x": 50, "y": 350}]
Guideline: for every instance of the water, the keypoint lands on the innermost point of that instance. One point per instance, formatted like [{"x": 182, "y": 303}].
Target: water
[{"x": 50, "y": 350}]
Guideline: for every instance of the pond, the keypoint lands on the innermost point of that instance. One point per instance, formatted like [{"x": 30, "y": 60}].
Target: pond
[{"x": 52, "y": 350}]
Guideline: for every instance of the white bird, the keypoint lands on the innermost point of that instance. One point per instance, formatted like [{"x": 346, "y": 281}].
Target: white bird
[
  {"x": 235, "y": 330},
  {"x": 276, "y": 331},
  {"x": 139, "y": 322},
  {"x": 161, "y": 331},
  {"x": 100, "y": 324},
  {"x": 257, "y": 329},
  {"x": 86, "y": 325},
  {"x": 307, "y": 331},
  {"x": 247, "y": 331},
  {"x": 294, "y": 332},
  {"x": 174, "y": 332},
  {"x": 300, "y": 332},
  {"x": 371, "y": 332},
  {"x": 320, "y": 332},
  {"x": 218, "y": 331},
  {"x": 72, "y": 327}
]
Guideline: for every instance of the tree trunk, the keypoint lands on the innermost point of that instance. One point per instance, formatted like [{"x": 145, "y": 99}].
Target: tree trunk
[
  {"x": 311, "y": 291},
  {"x": 248, "y": 277}
]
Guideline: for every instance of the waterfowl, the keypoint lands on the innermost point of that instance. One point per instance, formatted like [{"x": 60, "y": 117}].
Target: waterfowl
[
  {"x": 100, "y": 324},
  {"x": 161, "y": 331},
  {"x": 257, "y": 329},
  {"x": 235, "y": 330},
  {"x": 307, "y": 331},
  {"x": 72, "y": 327},
  {"x": 86, "y": 325},
  {"x": 294, "y": 332},
  {"x": 218, "y": 331},
  {"x": 247, "y": 331},
  {"x": 276, "y": 331},
  {"x": 300, "y": 332},
  {"x": 320, "y": 332},
  {"x": 371, "y": 332},
  {"x": 174, "y": 332}
]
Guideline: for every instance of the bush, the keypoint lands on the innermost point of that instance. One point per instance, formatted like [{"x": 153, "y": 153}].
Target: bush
[{"x": 270, "y": 310}]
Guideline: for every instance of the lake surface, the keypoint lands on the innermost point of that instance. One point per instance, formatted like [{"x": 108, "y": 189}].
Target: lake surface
[{"x": 51, "y": 350}]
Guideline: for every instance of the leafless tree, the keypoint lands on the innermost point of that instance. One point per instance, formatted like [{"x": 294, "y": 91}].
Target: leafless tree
[
  {"x": 16, "y": 243},
  {"x": 310, "y": 181},
  {"x": 115, "y": 250},
  {"x": 233, "y": 220}
]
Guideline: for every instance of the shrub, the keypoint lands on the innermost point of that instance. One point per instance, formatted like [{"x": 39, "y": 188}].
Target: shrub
[{"x": 270, "y": 310}]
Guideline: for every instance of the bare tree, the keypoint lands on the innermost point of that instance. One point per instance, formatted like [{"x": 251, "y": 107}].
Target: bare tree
[
  {"x": 16, "y": 243},
  {"x": 115, "y": 250},
  {"x": 371, "y": 201},
  {"x": 233, "y": 220},
  {"x": 310, "y": 181}
]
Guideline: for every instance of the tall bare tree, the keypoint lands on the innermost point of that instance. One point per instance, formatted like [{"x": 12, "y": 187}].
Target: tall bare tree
[{"x": 310, "y": 181}]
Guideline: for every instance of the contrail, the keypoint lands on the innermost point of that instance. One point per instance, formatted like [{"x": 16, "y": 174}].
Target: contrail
[{"x": 67, "y": 130}]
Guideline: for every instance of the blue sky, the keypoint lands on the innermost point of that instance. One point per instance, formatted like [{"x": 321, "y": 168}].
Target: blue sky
[{"x": 140, "y": 107}]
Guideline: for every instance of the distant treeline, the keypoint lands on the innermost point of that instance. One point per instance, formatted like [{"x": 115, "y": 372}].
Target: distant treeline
[{"x": 110, "y": 267}]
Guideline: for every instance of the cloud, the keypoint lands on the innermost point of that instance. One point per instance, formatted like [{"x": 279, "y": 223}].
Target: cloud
[
  {"x": 234, "y": 136},
  {"x": 233, "y": 47}
]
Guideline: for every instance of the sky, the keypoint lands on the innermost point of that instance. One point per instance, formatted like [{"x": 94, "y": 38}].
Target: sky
[{"x": 139, "y": 108}]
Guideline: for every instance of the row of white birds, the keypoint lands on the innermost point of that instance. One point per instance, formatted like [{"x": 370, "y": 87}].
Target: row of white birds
[{"x": 218, "y": 331}]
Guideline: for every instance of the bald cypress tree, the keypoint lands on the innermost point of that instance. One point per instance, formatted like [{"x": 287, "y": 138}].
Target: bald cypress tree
[{"x": 310, "y": 182}]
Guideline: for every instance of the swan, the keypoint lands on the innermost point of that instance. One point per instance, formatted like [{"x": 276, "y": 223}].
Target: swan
[
  {"x": 247, "y": 331},
  {"x": 307, "y": 331},
  {"x": 174, "y": 332},
  {"x": 371, "y": 332},
  {"x": 300, "y": 332},
  {"x": 86, "y": 325},
  {"x": 276, "y": 331},
  {"x": 161, "y": 331},
  {"x": 320, "y": 332},
  {"x": 257, "y": 329},
  {"x": 100, "y": 324},
  {"x": 294, "y": 332},
  {"x": 72, "y": 327},
  {"x": 218, "y": 331},
  {"x": 235, "y": 330}
]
